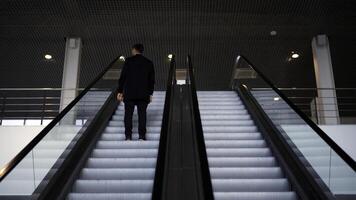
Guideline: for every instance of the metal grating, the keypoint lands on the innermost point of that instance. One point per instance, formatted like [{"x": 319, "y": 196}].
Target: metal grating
[{"x": 213, "y": 32}]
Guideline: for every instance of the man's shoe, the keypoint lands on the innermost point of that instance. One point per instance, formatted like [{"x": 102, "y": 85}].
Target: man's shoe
[
  {"x": 128, "y": 138},
  {"x": 142, "y": 138}
]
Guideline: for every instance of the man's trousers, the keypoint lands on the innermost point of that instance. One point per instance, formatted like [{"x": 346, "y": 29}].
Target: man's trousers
[{"x": 141, "y": 110}]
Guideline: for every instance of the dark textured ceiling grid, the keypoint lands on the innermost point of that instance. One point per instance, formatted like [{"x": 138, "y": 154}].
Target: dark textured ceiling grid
[{"x": 213, "y": 32}]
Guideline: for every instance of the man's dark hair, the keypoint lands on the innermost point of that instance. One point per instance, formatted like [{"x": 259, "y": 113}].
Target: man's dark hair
[{"x": 138, "y": 47}]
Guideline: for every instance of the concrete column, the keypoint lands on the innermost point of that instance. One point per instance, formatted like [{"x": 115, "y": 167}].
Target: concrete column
[
  {"x": 326, "y": 102},
  {"x": 71, "y": 70}
]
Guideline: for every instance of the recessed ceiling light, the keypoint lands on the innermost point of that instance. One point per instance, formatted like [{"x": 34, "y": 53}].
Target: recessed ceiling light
[
  {"x": 276, "y": 98},
  {"x": 273, "y": 33},
  {"x": 122, "y": 58},
  {"x": 48, "y": 57},
  {"x": 170, "y": 56},
  {"x": 295, "y": 55}
]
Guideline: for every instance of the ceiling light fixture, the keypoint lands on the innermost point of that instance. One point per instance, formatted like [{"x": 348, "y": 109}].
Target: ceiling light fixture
[
  {"x": 273, "y": 33},
  {"x": 295, "y": 55},
  {"x": 276, "y": 98},
  {"x": 122, "y": 58},
  {"x": 48, "y": 57},
  {"x": 170, "y": 56}
]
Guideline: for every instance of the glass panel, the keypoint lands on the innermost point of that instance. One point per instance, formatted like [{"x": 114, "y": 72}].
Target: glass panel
[
  {"x": 313, "y": 151},
  {"x": 342, "y": 177},
  {"x": 22, "y": 176},
  {"x": 47, "y": 156}
]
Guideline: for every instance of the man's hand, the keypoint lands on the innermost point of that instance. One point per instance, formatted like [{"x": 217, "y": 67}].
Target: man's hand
[
  {"x": 120, "y": 97},
  {"x": 150, "y": 98}
]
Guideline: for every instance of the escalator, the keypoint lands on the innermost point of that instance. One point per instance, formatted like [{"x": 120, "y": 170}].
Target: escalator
[
  {"x": 205, "y": 145},
  {"x": 260, "y": 146},
  {"x": 242, "y": 166},
  {"x": 82, "y": 154},
  {"x": 119, "y": 169}
]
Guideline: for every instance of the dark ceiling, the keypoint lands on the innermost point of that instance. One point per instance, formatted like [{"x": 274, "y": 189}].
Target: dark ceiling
[{"x": 213, "y": 32}]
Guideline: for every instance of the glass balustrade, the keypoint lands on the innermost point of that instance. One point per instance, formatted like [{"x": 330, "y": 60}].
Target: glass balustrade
[{"x": 317, "y": 155}]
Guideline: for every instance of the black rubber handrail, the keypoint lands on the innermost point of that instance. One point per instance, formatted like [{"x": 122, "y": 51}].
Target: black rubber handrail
[
  {"x": 207, "y": 185},
  {"x": 303, "y": 180},
  {"x": 161, "y": 157},
  {"x": 306, "y": 119},
  {"x": 17, "y": 159}
]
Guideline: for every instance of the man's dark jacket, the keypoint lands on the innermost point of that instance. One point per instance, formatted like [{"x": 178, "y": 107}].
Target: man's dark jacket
[{"x": 137, "y": 78}]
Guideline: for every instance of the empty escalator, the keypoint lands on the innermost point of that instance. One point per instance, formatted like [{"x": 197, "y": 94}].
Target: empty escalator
[
  {"x": 119, "y": 169},
  {"x": 253, "y": 150},
  {"x": 328, "y": 171},
  {"x": 242, "y": 165}
]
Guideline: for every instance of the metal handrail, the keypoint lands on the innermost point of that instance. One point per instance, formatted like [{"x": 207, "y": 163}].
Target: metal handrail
[
  {"x": 16, "y": 160},
  {"x": 32, "y": 104},
  {"x": 294, "y": 88},
  {"x": 349, "y": 96},
  {"x": 45, "y": 89},
  {"x": 311, "y": 97},
  {"x": 36, "y": 101},
  {"x": 335, "y": 147},
  {"x": 305, "y": 98},
  {"x": 259, "y": 88},
  {"x": 14, "y": 111},
  {"x": 30, "y": 98},
  {"x": 28, "y": 117}
]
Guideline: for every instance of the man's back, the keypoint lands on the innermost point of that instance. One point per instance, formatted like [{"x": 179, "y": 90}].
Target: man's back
[{"x": 137, "y": 78}]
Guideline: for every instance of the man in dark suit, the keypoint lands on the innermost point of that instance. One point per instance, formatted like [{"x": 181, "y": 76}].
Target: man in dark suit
[{"x": 136, "y": 85}]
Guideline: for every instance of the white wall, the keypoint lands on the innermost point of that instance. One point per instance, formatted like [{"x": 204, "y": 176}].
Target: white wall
[
  {"x": 13, "y": 139},
  {"x": 344, "y": 136}
]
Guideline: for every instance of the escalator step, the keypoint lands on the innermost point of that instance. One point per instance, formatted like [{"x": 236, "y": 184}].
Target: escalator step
[
  {"x": 118, "y": 169},
  {"x": 109, "y": 196},
  {"x": 124, "y": 153},
  {"x": 232, "y": 136},
  {"x": 235, "y": 144},
  {"x": 113, "y": 186},
  {"x": 127, "y": 145},
  {"x": 241, "y": 152},
  {"x": 255, "y": 195},
  {"x": 250, "y": 185},
  {"x": 241, "y": 163},
  {"x": 245, "y": 173},
  {"x": 117, "y": 173}
]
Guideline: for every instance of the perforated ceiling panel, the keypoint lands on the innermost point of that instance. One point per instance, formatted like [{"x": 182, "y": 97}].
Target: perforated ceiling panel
[{"x": 213, "y": 32}]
